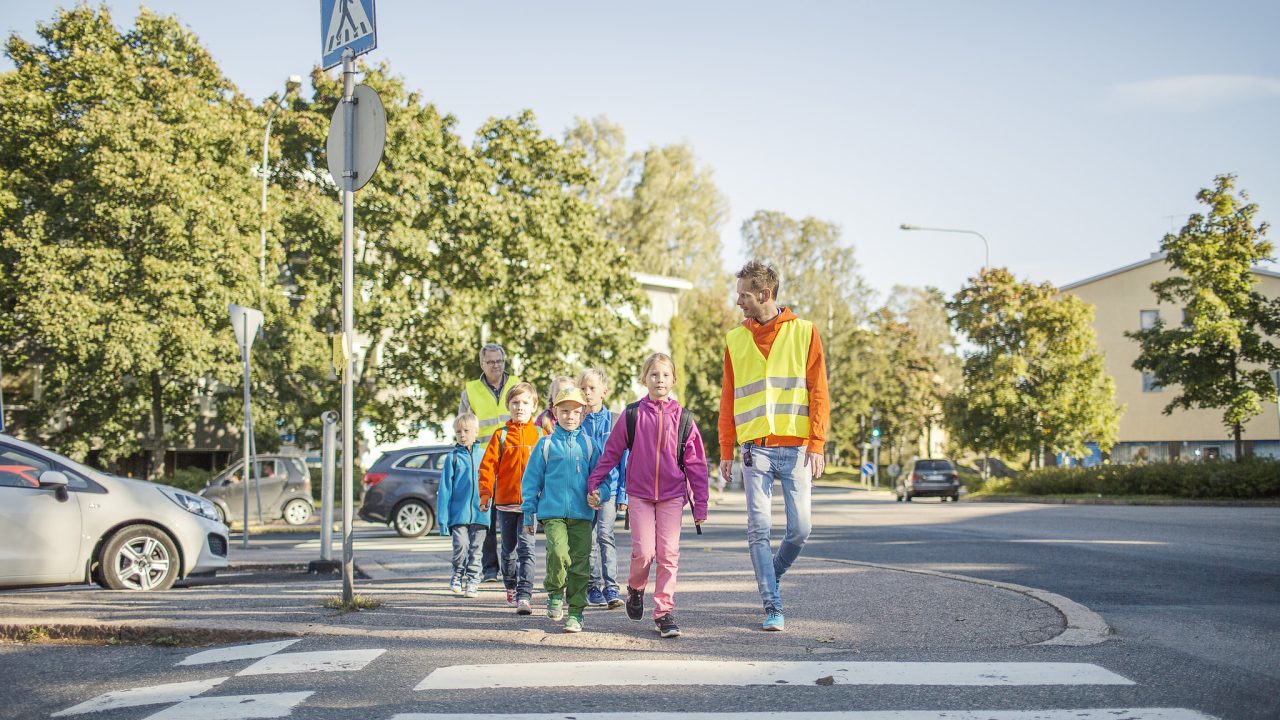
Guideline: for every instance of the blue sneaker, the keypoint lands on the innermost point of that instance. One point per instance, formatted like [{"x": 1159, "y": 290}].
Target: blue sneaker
[
  {"x": 595, "y": 598},
  {"x": 613, "y": 598},
  {"x": 773, "y": 621}
]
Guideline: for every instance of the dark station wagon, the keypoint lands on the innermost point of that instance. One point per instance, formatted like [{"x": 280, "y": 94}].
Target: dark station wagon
[{"x": 400, "y": 489}]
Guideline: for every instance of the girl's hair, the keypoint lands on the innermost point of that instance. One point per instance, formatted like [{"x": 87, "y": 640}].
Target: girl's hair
[
  {"x": 654, "y": 359},
  {"x": 557, "y": 384},
  {"x": 596, "y": 373},
  {"x": 523, "y": 388}
]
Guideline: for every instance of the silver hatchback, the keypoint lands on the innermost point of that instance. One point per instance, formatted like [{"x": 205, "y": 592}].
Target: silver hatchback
[{"x": 62, "y": 522}]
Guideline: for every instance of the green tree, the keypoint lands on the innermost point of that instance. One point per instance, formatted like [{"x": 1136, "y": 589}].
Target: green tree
[
  {"x": 697, "y": 346},
  {"x": 923, "y": 313},
  {"x": 1036, "y": 380},
  {"x": 1218, "y": 357},
  {"x": 127, "y": 225}
]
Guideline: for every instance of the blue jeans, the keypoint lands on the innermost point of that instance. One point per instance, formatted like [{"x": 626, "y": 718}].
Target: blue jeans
[
  {"x": 468, "y": 542},
  {"x": 786, "y": 464},
  {"x": 604, "y": 575},
  {"x": 517, "y": 554}
]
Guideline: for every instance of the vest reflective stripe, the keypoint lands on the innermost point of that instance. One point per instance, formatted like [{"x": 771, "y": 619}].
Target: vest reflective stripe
[
  {"x": 491, "y": 413},
  {"x": 771, "y": 395}
]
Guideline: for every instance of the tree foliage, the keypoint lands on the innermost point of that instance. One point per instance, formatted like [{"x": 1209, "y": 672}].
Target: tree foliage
[
  {"x": 697, "y": 346},
  {"x": 1219, "y": 356},
  {"x": 1036, "y": 380}
]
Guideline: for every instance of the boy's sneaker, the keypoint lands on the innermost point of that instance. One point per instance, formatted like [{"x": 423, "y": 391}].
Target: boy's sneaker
[
  {"x": 511, "y": 598},
  {"x": 573, "y": 624},
  {"x": 471, "y": 591},
  {"x": 612, "y": 597},
  {"x": 455, "y": 586},
  {"x": 773, "y": 621},
  {"x": 555, "y": 608},
  {"x": 523, "y": 607},
  {"x": 489, "y": 578},
  {"x": 635, "y": 603},
  {"x": 666, "y": 626},
  {"x": 595, "y": 598}
]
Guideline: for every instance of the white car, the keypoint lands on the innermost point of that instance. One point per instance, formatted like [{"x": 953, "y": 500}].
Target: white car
[{"x": 62, "y": 522}]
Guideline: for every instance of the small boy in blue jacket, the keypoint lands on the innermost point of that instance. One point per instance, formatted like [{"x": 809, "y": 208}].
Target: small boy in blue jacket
[
  {"x": 554, "y": 490},
  {"x": 458, "y": 504}
]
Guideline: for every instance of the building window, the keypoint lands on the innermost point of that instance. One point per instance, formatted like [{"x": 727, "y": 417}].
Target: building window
[
  {"x": 1150, "y": 384},
  {"x": 1147, "y": 319},
  {"x": 1187, "y": 317}
]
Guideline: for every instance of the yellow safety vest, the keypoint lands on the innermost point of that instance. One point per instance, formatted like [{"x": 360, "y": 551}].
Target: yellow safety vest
[
  {"x": 771, "y": 395},
  {"x": 490, "y": 412}
]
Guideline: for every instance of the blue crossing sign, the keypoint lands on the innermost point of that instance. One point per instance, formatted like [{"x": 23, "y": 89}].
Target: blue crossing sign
[
  {"x": 868, "y": 469},
  {"x": 346, "y": 24}
]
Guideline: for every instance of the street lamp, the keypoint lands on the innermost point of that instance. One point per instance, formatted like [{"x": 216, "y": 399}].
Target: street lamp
[
  {"x": 987, "y": 248},
  {"x": 294, "y": 82}
]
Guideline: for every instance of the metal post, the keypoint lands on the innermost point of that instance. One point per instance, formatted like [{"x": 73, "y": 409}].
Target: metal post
[
  {"x": 248, "y": 429},
  {"x": 348, "y": 323},
  {"x": 328, "y": 454}
]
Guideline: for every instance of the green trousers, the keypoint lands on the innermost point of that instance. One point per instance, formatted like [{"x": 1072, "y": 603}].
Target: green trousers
[{"x": 568, "y": 551}]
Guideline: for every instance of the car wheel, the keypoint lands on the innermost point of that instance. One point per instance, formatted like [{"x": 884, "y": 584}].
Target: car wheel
[
  {"x": 898, "y": 498},
  {"x": 412, "y": 519},
  {"x": 908, "y": 497},
  {"x": 297, "y": 511},
  {"x": 955, "y": 498},
  {"x": 139, "y": 557}
]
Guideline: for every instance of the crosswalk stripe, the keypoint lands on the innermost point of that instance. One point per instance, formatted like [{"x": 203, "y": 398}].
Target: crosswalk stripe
[
  {"x": 238, "y": 652},
  {"x": 309, "y": 662},
  {"x": 234, "y": 707},
  {"x": 150, "y": 695},
  {"x": 670, "y": 672},
  {"x": 1080, "y": 714}
]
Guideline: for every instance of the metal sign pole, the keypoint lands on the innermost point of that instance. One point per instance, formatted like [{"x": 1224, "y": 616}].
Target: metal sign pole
[
  {"x": 248, "y": 428},
  {"x": 348, "y": 322},
  {"x": 328, "y": 452}
]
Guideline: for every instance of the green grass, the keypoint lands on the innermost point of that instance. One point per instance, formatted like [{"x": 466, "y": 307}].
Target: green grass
[{"x": 358, "y": 603}]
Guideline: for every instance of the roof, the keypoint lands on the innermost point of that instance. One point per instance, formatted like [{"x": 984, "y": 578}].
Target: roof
[{"x": 1155, "y": 257}]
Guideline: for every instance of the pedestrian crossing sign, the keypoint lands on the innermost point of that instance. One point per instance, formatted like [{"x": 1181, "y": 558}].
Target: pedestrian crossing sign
[{"x": 346, "y": 24}]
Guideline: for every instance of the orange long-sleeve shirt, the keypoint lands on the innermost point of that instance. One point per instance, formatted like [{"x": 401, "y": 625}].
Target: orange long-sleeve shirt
[
  {"x": 815, "y": 378},
  {"x": 502, "y": 483}
]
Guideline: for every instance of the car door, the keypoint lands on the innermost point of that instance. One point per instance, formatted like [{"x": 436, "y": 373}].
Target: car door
[
  {"x": 39, "y": 534},
  {"x": 269, "y": 482},
  {"x": 231, "y": 491}
]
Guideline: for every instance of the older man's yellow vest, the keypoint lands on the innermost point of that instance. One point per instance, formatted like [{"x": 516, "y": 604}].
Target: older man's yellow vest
[
  {"x": 490, "y": 412},
  {"x": 771, "y": 395}
]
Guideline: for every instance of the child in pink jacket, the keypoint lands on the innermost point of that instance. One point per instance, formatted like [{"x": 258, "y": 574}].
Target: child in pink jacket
[{"x": 662, "y": 474}]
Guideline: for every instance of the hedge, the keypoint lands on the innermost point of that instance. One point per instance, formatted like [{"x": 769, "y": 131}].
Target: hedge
[{"x": 1250, "y": 478}]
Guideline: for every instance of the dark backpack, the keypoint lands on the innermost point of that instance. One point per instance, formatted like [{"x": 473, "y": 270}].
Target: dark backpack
[{"x": 686, "y": 427}]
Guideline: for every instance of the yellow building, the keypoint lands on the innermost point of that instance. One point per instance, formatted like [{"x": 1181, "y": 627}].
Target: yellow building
[{"x": 1124, "y": 302}]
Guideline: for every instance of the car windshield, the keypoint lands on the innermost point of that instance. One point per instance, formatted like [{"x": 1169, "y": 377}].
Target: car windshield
[{"x": 933, "y": 466}]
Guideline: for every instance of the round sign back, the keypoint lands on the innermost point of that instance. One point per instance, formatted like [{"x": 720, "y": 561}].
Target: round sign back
[{"x": 369, "y": 136}]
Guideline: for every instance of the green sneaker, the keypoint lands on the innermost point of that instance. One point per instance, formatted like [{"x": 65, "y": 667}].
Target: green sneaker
[
  {"x": 555, "y": 608},
  {"x": 573, "y": 624}
]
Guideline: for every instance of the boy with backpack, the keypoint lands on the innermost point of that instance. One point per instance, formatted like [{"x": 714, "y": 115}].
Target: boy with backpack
[
  {"x": 458, "y": 502},
  {"x": 501, "y": 471}
]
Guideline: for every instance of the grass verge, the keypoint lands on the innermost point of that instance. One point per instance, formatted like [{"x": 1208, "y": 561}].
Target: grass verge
[
  {"x": 125, "y": 635},
  {"x": 358, "y": 603}
]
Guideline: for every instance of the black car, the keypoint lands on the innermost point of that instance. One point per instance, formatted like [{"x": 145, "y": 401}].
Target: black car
[
  {"x": 400, "y": 489},
  {"x": 929, "y": 478},
  {"x": 282, "y": 484}
]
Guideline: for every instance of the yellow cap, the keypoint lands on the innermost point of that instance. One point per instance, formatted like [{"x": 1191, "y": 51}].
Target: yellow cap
[{"x": 570, "y": 394}]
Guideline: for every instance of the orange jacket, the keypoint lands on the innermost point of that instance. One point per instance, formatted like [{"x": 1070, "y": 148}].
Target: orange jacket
[
  {"x": 521, "y": 437},
  {"x": 815, "y": 378}
]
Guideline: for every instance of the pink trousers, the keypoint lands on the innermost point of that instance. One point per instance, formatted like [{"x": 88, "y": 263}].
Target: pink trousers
[{"x": 655, "y": 535}]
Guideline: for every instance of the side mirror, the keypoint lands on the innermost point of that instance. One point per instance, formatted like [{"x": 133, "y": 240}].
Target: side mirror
[{"x": 56, "y": 480}]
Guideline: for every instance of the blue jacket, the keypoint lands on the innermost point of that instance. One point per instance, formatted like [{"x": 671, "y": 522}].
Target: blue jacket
[
  {"x": 555, "y": 480},
  {"x": 597, "y": 426},
  {"x": 458, "y": 494}
]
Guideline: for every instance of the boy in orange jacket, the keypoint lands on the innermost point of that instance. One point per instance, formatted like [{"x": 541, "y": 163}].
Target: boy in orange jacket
[{"x": 501, "y": 471}]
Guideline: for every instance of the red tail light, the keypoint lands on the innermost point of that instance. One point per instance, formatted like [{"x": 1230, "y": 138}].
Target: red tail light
[
  {"x": 954, "y": 476},
  {"x": 373, "y": 478},
  {"x": 915, "y": 477}
]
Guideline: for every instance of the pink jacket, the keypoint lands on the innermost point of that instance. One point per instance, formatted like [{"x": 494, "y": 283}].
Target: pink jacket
[{"x": 653, "y": 472}]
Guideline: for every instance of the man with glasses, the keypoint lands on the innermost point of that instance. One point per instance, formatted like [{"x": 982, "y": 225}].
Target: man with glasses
[{"x": 486, "y": 398}]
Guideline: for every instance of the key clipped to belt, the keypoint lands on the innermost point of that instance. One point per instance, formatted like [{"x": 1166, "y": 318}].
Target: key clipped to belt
[{"x": 746, "y": 455}]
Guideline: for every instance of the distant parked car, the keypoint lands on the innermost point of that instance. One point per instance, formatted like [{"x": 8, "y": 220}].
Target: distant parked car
[
  {"x": 63, "y": 522},
  {"x": 282, "y": 482},
  {"x": 400, "y": 489},
  {"x": 929, "y": 478}
]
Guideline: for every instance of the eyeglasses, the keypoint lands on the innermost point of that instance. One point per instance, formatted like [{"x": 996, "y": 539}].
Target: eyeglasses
[{"x": 494, "y": 363}]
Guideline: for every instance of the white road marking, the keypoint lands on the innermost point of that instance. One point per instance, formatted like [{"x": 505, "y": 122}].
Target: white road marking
[
  {"x": 308, "y": 662},
  {"x": 234, "y": 707},
  {"x": 1090, "y": 542},
  {"x": 150, "y": 695},
  {"x": 671, "y": 672},
  {"x": 1098, "y": 714},
  {"x": 238, "y": 652},
  {"x": 419, "y": 545}
]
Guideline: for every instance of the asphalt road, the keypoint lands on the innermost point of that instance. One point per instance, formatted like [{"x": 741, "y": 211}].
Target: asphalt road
[{"x": 1190, "y": 592}]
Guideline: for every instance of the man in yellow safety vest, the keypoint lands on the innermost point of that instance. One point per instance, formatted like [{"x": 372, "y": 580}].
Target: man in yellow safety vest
[
  {"x": 486, "y": 398},
  {"x": 773, "y": 404}
]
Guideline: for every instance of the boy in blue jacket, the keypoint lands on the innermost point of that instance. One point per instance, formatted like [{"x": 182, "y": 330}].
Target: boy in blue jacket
[
  {"x": 554, "y": 490},
  {"x": 458, "y": 503}
]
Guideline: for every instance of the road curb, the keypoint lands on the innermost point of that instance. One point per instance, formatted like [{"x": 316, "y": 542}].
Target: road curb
[
  {"x": 127, "y": 633},
  {"x": 1084, "y": 627},
  {"x": 1173, "y": 502}
]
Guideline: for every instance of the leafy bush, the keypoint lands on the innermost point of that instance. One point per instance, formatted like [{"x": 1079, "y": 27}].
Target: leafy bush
[
  {"x": 1250, "y": 478},
  {"x": 189, "y": 479}
]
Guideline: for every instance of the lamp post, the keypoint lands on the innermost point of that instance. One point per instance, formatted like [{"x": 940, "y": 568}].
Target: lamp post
[
  {"x": 294, "y": 82},
  {"x": 987, "y": 248}
]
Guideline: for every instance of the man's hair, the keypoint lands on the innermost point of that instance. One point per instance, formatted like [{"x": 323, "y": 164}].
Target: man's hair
[
  {"x": 596, "y": 373},
  {"x": 493, "y": 347},
  {"x": 760, "y": 277},
  {"x": 523, "y": 388},
  {"x": 464, "y": 420},
  {"x": 654, "y": 359}
]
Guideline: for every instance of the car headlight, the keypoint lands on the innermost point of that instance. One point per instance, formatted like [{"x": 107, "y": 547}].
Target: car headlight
[{"x": 192, "y": 503}]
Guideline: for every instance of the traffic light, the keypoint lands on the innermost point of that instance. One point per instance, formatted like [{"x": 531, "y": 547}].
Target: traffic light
[{"x": 875, "y": 432}]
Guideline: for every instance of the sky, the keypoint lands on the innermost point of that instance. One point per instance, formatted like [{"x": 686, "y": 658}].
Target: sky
[{"x": 1071, "y": 135}]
